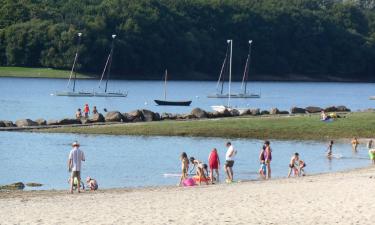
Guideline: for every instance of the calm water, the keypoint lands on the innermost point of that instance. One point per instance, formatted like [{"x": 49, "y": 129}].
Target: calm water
[
  {"x": 30, "y": 98},
  {"x": 126, "y": 161}
]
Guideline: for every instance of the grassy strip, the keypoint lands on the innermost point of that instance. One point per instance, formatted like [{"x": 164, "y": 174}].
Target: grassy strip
[
  {"x": 298, "y": 127},
  {"x": 37, "y": 73}
]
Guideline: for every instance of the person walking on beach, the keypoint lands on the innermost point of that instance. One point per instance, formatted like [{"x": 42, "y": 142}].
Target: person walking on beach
[
  {"x": 263, "y": 166},
  {"x": 268, "y": 158},
  {"x": 229, "y": 162},
  {"x": 214, "y": 164},
  {"x": 355, "y": 144},
  {"x": 76, "y": 156},
  {"x": 86, "y": 110}
]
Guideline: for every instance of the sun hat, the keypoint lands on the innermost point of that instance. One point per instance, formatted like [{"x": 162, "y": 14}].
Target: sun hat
[{"x": 75, "y": 143}]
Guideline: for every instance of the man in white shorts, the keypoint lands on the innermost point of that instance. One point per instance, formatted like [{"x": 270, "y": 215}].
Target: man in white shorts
[{"x": 76, "y": 156}]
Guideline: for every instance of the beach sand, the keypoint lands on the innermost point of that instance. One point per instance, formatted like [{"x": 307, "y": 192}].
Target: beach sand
[{"x": 337, "y": 198}]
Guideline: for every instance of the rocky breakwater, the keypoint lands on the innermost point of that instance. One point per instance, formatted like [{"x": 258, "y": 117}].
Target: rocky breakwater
[{"x": 145, "y": 115}]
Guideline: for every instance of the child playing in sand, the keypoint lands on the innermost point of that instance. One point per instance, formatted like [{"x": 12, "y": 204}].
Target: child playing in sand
[
  {"x": 293, "y": 167},
  {"x": 184, "y": 167},
  {"x": 301, "y": 166},
  {"x": 92, "y": 184},
  {"x": 329, "y": 149},
  {"x": 201, "y": 170}
]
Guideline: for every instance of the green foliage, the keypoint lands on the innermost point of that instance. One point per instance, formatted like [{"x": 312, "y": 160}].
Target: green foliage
[{"x": 310, "y": 37}]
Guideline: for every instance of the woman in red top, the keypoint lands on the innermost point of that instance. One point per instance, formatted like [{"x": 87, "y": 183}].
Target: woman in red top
[
  {"x": 214, "y": 164},
  {"x": 86, "y": 110}
]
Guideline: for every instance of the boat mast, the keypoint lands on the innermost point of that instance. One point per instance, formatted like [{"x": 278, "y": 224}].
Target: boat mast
[
  {"x": 74, "y": 63},
  {"x": 246, "y": 71},
  {"x": 110, "y": 61},
  {"x": 230, "y": 70},
  {"x": 165, "y": 84}
]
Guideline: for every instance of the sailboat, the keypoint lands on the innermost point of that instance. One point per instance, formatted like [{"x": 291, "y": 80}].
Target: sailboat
[
  {"x": 73, "y": 92},
  {"x": 245, "y": 77},
  {"x": 221, "y": 108},
  {"x": 107, "y": 70},
  {"x": 173, "y": 103}
]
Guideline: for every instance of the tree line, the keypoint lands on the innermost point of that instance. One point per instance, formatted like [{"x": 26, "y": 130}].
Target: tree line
[{"x": 314, "y": 38}]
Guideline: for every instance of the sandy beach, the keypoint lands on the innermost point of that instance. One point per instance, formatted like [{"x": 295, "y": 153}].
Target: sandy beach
[{"x": 337, "y": 198}]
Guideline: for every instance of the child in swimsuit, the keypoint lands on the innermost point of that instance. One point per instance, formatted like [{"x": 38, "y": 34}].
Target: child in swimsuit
[
  {"x": 292, "y": 164},
  {"x": 201, "y": 170},
  {"x": 184, "y": 167},
  {"x": 92, "y": 184},
  {"x": 301, "y": 167}
]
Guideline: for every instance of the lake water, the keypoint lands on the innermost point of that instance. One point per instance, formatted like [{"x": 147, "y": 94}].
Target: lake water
[
  {"x": 128, "y": 161},
  {"x": 30, "y": 98}
]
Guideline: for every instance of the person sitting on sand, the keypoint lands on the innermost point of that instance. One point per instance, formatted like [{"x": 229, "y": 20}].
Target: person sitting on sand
[
  {"x": 214, "y": 163},
  {"x": 184, "y": 167},
  {"x": 78, "y": 114},
  {"x": 293, "y": 164},
  {"x": 324, "y": 116},
  {"x": 201, "y": 170},
  {"x": 301, "y": 166},
  {"x": 355, "y": 144},
  {"x": 92, "y": 184},
  {"x": 329, "y": 149}
]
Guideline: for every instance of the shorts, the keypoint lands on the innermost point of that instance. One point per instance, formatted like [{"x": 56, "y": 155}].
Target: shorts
[
  {"x": 291, "y": 166},
  {"x": 76, "y": 174},
  {"x": 229, "y": 163}
]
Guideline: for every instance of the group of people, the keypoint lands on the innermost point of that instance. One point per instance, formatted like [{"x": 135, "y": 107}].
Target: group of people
[
  {"x": 86, "y": 111},
  {"x": 76, "y": 157}
]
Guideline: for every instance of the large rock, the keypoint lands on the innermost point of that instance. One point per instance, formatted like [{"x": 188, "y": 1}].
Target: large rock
[
  {"x": 26, "y": 123},
  {"x": 113, "y": 116},
  {"x": 135, "y": 116},
  {"x": 234, "y": 112},
  {"x": 168, "y": 116},
  {"x": 68, "y": 121},
  {"x": 53, "y": 122},
  {"x": 274, "y": 111},
  {"x": 244, "y": 112},
  {"x": 97, "y": 118},
  {"x": 157, "y": 117},
  {"x": 342, "y": 108},
  {"x": 8, "y": 123},
  {"x": 330, "y": 109},
  {"x": 225, "y": 113},
  {"x": 14, "y": 186},
  {"x": 33, "y": 184},
  {"x": 284, "y": 112},
  {"x": 199, "y": 113},
  {"x": 296, "y": 110},
  {"x": 41, "y": 122},
  {"x": 313, "y": 109},
  {"x": 85, "y": 120},
  {"x": 264, "y": 112},
  {"x": 255, "y": 112},
  {"x": 148, "y": 115},
  {"x": 2, "y": 124}
]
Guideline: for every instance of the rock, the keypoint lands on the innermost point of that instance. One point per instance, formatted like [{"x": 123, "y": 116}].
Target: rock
[
  {"x": 113, "y": 116},
  {"x": 274, "y": 111},
  {"x": 313, "y": 109},
  {"x": 86, "y": 120},
  {"x": 41, "y": 122},
  {"x": 234, "y": 112},
  {"x": 264, "y": 112},
  {"x": 31, "y": 184},
  {"x": 2, "y": 124},
  {"x": 166, "y": 116},
  {"x": 97, "y": 118},
  {"x": 67, "y": 121},
  {"x": 296, "y": 110},
  {"x": 330, "y": 109},
  {"x": 284, "y": 112},
  {"x": 14, "y": 186},
  {"x": 25, "y": 123},
  {"x": 225, "y": 113},
  {"x": 216, "y": 114},
  {"x": 135, "y": 116},
  {"x": 255, "y": 112},
  {"x": 53, "y": 122},
  {"x": 244, "y": 112},
  {"x": 342, "y": 108},
  {"x": 157, "y": 117},
  {"x": 198, "y": 113},
  {"x": 8, "y": 123},
  {"x": 147, "y": 115}
]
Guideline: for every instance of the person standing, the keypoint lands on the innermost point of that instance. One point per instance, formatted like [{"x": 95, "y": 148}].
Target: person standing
[
  {"x": 86, "y": 110},
  {"x": 369, "y": 144},
  {"x": 214, "y": 164},
  {"x": 355, "y": 144},
  {"x": 229, "y": 162},
  {"x": 78, "y": 114},
  {"x": 94, "y": 110},
  {"x": 76, "y": 156},
  {"x": 268, "y": 158}
]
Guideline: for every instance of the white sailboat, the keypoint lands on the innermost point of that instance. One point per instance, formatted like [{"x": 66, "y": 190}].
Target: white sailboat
[
  {"x": 73, "y": 92},
  {"x": 107, "y": 70}
]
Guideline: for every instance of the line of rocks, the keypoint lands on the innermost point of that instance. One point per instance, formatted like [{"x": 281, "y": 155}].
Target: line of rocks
[{"x": 144, "y": 115}]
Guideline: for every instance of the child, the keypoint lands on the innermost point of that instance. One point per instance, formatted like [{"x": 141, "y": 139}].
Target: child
[
  {"x": 184, "y": 167},
  {"x": 263, "y": 169},
  {"x": 355, "y": 144},
  {"x": 371, "y": 153},
  {"x": 301, "y": 165},
  {"x": 201, "y": 170},
  {"x": 214, "y": 163},
  {"x": 292, "y": 164},
  {"x": 92, "y": 184},
  {"x": 329, "y": 149}
]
